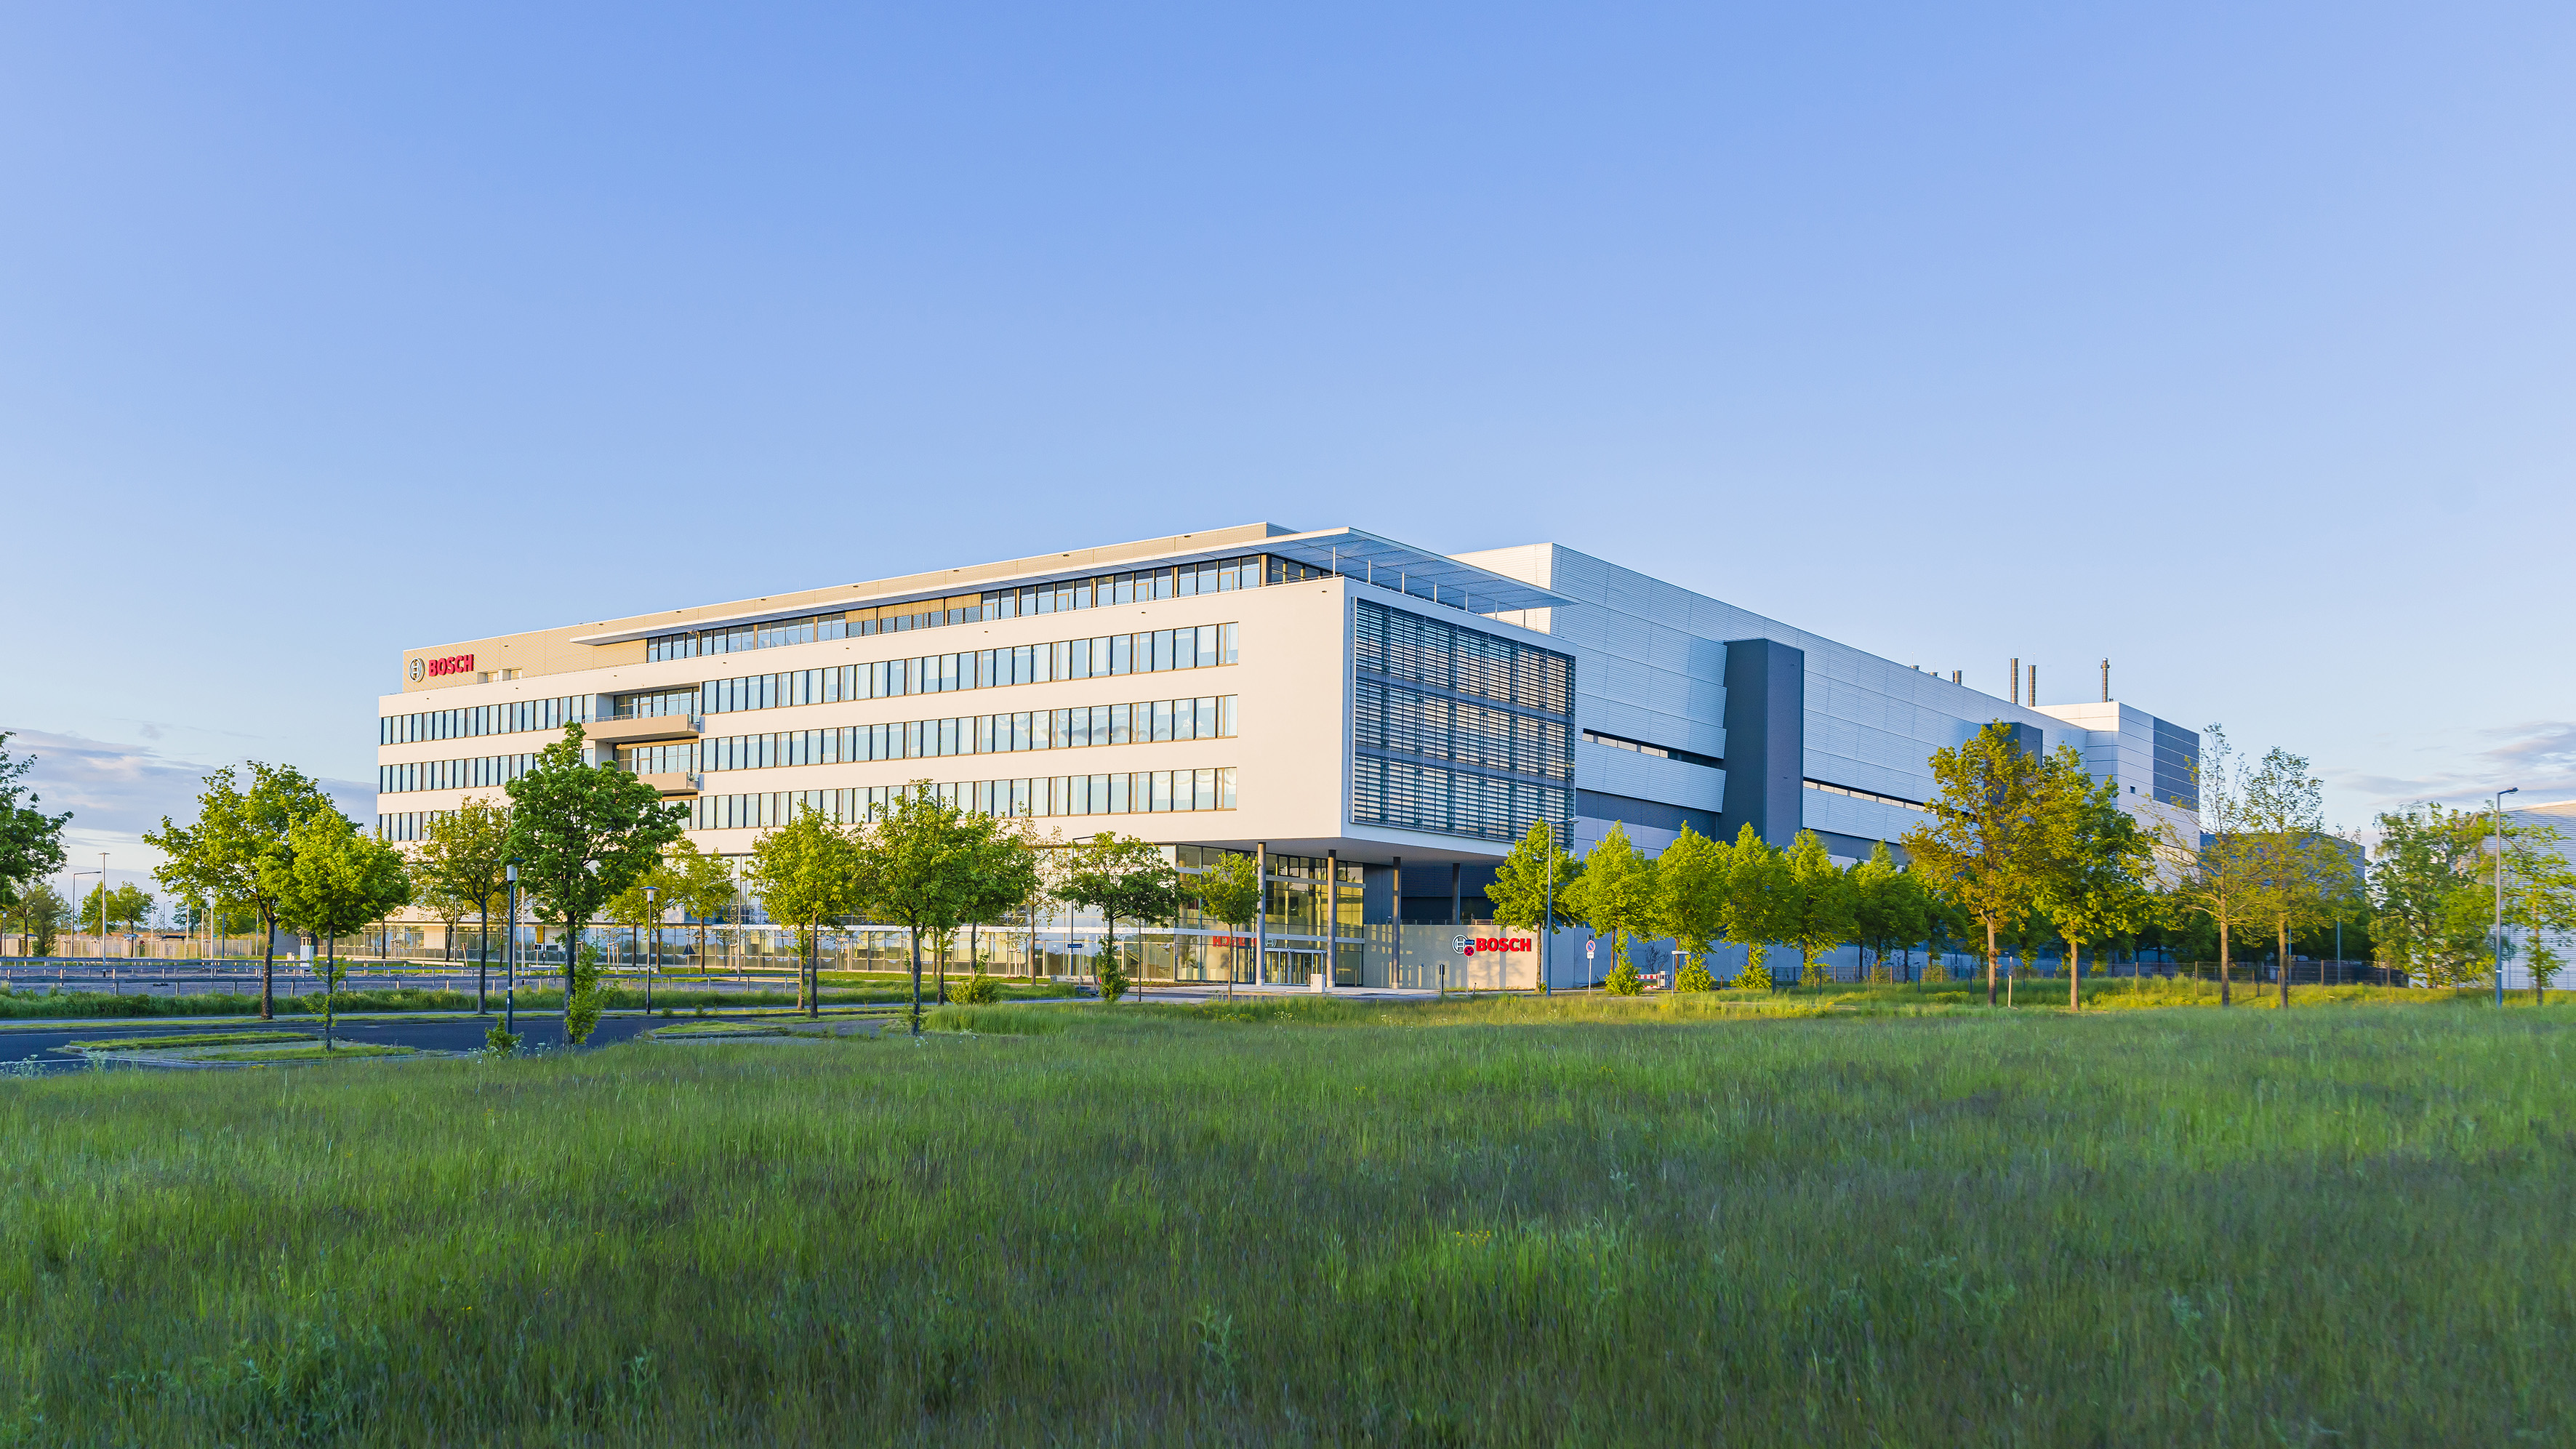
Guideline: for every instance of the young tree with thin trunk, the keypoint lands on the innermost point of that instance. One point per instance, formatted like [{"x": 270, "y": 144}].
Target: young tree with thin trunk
[
  {"x": 1229, "y": 891},
  {"x": 2095, "y": 883},
  {"x": 583, "y": 833},
  {"x": 1983, "y": 842},
  {"x": 1888, "y": 907},
  {"x": 1001, "y": 872},
  {"x": 1532, "y": 887},
  {"x": 459, "y": 862},
  {"x": 1690, "y": 902},
  {"x": 334, "y": 880},
  {"x": 1615, "y": 896},
  {"x": 239, "y": 835},
  {"x": 701, "y": 885},
  {"x": 808, "y": 873},
  {"x": 31, "y": 842},
  {"x": 2301, "y": 873},
  {"x": 1757, "y": 904},
  {"x": 913, "y": 861},
  {"x": 1818, "y": 907},
  {"x": 1121, "y": 876},
  {"x": 2220, "y": 873}
]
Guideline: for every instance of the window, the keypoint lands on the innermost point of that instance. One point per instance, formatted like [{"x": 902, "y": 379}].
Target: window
[
  {"x": 1109, "y": 724},
  {"x": 1458, "y": 731},
  {"x": 1858, "y": 794},
  {"x": 1140, "y": 792},
  {"x": 1660, "y": 751},
  {"x": 514, "y": 717}
]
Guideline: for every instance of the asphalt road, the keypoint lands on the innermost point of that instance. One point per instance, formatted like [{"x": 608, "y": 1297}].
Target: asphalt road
[{"x": 427, "y": 1033}]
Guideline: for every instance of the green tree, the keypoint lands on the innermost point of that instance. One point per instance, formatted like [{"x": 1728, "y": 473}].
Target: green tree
[
  {"x": 2429, "y": 904},
  {"x": 1615, "y": 896},
  {"x": 1001, "y": 872},
  {"x": 240, "y": 838},
  {"x": 1819, "y": 907},
  {"x": 701, "y": 884},
  {"x": 2539, "y": 899},
  {"x": 2301, "y": 874},
  {"x": 584, "y": 1001},
  {"x": 1983, "y": 842},
  {"x": 1532, "y": 887},
  {"x": 583, "y": 833},
  {"x": 912, "y": 866},
  {"x": 1757, "y": 904},
  {"x": 41, "y": 912},
  {"x": 105, "y": 907},
  {"x": 808, "y": 873},
  {"x": 2095, "y": 884},
  {"x": 1889, "y": 908},
  {"x": 1121, "y": 876},
  {"x": 2222, "y": 866},
  {"x": 333, "y": 880},
  {"x": 1229, "y": 891},
  {"x": 460, "y": 862},
  {"x": 1690, "y": 902},
  {"x": 31, "y": 842}
]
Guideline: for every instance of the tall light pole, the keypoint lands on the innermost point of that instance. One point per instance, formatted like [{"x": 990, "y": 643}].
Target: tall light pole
[
  {"x": 102, "y": 908},
  {"x": 651, "y": 895},
  {"x": 510, "y": 953},
  {"x": 2499, "y": 904}
]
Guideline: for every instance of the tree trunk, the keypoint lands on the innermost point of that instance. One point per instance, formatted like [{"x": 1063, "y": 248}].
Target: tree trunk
[
  {"x": 2222, "y": 963},
  {"x": 1990, "y": 963},
  {"x": 916, "y": 983},
  {"x": 814, "y": 974},
  {"x": 483, "y": 964},
  {"x": 2285, "y": 963},
  {"x": 572, "y": 958},
  {"x": 267, "y": 966}
]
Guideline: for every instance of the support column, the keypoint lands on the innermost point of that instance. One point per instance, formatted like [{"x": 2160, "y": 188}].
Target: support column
[
  {"x": 1456, "y": 896},
  {"x": 1332, "y": 903}
]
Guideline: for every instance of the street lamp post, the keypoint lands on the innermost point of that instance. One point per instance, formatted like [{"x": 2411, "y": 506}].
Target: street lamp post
[
  {"x": 510, "y": 953},
  {"x": 651, "y": 895},
  {"x": 2499, "y": 899}
]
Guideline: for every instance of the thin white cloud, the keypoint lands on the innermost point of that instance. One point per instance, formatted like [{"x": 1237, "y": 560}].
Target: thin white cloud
[
  {"x": 2539, "y": 756},
  {"x": 115, "y": 792}
]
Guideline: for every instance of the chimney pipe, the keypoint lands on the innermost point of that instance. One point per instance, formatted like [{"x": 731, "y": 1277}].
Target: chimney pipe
[
  {"x": 2106, "y": 681},
  {"x": 2016, "y": 682}
]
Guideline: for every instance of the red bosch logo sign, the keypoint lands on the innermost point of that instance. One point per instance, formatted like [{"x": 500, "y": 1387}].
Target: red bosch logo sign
[
  {"x": 452, "y": 664},
  {"x": 1499, "y": 943}
]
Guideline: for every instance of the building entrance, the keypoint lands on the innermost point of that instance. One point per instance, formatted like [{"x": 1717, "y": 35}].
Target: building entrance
[{"x": 1290, "y": 968}]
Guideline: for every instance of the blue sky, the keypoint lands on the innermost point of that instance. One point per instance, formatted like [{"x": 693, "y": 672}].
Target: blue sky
[{"x": 2230, "y": 342}]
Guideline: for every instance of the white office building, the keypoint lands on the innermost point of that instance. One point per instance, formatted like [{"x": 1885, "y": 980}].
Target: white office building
[{"x": 1380, "y": 722}]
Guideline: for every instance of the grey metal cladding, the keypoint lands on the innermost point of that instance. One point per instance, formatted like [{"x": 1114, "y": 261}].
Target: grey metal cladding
[
  {"x": 2177, "y": 760},
  {"x": 1766, "y": 725}
]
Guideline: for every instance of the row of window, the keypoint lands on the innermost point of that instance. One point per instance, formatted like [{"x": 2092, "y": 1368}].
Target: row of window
[
  {"x": 486, "y": 719},
  {"x": 1833, "y": 789},
  {"x": 1157, "y": 721},
  {"x": 407, "y": 824},
  {"x": 1151, "y": 652},
  {"x": 1141, "y": 792},
  {"x": 1661, "y": 752},
  {"x": 1392, "y": 717},
  {"x": 1415, "y": 796},
  {"x": 484, "y": 772},
  {"x": 1145, "y": 722},
  {"x": 1405, "y": 646},
  {"x": 1062, "y": 597}
]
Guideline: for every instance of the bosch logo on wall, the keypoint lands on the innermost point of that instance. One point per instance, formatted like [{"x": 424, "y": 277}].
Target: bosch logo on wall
[
  {"x": 452, "y": 664},
  {"x": 1470, "y": 946}
]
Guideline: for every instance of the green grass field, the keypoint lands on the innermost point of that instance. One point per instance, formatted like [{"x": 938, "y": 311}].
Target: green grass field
[{"x": 1580, "y": 1221}]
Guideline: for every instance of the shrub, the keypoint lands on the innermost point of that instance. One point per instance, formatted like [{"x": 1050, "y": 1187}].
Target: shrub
[
  {"x": 501, "y": 1043},
  {"x": 1935, "y": 974},
  {"x": 583, "y": 1016},
  {"x": 977, "y": 990},
  {"x": 1756, "y": 975},
  {"x": 1695, "y": 977},
  {"x": 1112, "y": 973},
  {"x": 1623, "y": 979},
  {"x": 1883, "y": 974}
]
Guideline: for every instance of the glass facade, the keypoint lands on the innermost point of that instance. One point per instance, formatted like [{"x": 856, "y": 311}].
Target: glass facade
[
  {"x": 1205, "y": 646},
  {"x": 2177, "y": 779},
  {"x": 1138, "y": 793},
  {"x": 488, "y": 719},
  {"x": 478, "y": 773},
  {"x": 1457, "y": 731},
  {"x": 1063, "y": 596}
]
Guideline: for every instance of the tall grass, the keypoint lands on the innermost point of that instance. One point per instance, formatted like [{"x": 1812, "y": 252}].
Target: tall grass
[{"x": 1322, "y": 1222}]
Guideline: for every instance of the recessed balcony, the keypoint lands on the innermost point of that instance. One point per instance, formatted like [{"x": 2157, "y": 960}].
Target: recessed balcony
[{"x": 642, "y": 731}]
